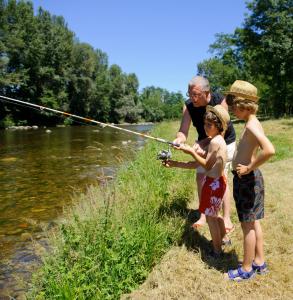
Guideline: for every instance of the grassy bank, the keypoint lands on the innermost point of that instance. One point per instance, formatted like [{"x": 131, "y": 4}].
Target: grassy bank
[
  {"x": 109, "y": 242},
  {"x": 186, "y": 273},
  {"x": 116, "y": 234}
]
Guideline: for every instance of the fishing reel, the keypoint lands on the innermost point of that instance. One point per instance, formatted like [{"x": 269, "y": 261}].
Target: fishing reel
[{"x": 164, "y": 154}]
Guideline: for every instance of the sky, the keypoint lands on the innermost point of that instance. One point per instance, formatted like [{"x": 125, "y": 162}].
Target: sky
[{"x": 161, "y": 41}]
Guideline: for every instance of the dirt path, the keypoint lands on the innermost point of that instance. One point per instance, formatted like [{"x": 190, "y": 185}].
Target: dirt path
[{"x": 185, "y": 272}]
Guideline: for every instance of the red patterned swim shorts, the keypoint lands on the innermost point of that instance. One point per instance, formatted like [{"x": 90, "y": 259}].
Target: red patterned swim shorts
[{"x": 212, "y": 194}]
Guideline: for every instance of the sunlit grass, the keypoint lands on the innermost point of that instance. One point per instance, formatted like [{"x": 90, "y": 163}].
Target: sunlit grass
[
  {"x": 279, "y": 132},
  {"x": 112, "y": 239}
]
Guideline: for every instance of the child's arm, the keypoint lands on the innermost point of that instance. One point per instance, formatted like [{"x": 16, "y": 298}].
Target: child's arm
[
  {"x": 180, "y": 164},
  {"x": 267, "y": 150},
  {"x": 207, "y": 162},
  {"x": 201, "y": 147}
]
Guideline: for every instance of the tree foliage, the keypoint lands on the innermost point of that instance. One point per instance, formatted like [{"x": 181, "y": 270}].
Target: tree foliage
[
  {"x": 261, "y": 52},
  {"x": 41, "y": 61}
]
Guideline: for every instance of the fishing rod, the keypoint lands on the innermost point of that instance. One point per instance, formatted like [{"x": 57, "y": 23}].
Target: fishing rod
[{"x": 66, "y": 114}]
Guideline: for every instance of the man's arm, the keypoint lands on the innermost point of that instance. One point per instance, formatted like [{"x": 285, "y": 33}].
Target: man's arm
[
  {"x": 182, "y": 134},
  {"x": 267, "y": 150}
]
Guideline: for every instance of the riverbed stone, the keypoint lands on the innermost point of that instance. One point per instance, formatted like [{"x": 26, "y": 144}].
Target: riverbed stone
[
  {"x": 25, "y": 236},
  {"x": 21, "y": 296}
]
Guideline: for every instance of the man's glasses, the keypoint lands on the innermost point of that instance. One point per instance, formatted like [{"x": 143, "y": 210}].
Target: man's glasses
[
  {"x": 230, "y": 99},
  {"x": 193, "y": 95}
]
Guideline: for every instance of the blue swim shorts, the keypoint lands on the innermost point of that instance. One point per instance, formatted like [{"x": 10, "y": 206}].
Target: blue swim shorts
[{"x": 248, "y": 193}]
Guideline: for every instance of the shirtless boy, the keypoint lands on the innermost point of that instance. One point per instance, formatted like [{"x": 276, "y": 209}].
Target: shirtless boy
[
  {"x": 213, "y": 190},
  {"x": 253, "y": 150}
]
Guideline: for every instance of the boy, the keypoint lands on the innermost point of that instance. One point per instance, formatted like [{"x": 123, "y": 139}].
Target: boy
[
  {"x": 213, "y": 190},
  {"x": 199, "y": 96},
  {"x": 248, "y": 186}
]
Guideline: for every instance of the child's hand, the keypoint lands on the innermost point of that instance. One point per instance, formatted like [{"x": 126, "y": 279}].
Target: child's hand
[
  {"x": 199, "y": 150},
  {"x": 185, "y": 148},
  {"x": 242, "y": 170},
  {"x": 169, "y": 163}
]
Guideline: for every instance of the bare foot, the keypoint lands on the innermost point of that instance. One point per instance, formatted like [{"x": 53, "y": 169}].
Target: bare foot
[
  {"x": 199, "y": 223},
  {"x": 229, "y": 229}
]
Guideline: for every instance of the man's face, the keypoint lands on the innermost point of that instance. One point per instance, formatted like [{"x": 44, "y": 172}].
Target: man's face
[{"x": 197, "y": 96}]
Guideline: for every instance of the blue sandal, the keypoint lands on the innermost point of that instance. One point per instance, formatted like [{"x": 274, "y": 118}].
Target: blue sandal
[
  {"x": 240, "y": 275},
  {"x": 258, "y": 269},
  {"x": 261, "y": 270}
]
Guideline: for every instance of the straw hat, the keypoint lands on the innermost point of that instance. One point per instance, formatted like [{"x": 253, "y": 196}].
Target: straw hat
[
  {"x": 243, "y": 89},
  {"x": 221, "y": 113}
]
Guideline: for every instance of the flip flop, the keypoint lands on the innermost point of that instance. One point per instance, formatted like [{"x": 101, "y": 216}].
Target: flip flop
[
  {"x": 224, "y": 242},
  {"x": 229, "y": 229},
  {"x": 197, "y": 226}
]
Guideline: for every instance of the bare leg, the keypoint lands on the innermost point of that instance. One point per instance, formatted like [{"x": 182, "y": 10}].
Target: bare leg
[
  {"x": 227, "y": 195},
  {"x": 215, "y": 233},
  {"x": 227, "y": 208},
  {"x": 221, "y": 225},
  {"x": 249, "y": 245},
  {"x": 199, "y": 181},
  {"x": 259, "y": 252}
]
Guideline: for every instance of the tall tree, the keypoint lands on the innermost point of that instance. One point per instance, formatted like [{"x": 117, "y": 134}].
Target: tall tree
[
  {"x": 118, "y": 89},
  {"x": 219, "y": 73},
  {"x": 82, "y": 85},
  {"x": 267, "y": 39},
  {"x": 152, "y": 99}
]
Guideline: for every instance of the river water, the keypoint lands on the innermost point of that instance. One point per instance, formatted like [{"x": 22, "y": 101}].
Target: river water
[{"x": 40, "y": 172}]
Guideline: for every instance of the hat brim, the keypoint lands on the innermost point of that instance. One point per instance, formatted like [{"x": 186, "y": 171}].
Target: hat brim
[
  {"x": 219, "y": 115},
  {"x": 242, "y": 95}
]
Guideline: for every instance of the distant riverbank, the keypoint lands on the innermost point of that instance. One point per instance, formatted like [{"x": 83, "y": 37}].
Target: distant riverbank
[{"x": 24, "y": 127}]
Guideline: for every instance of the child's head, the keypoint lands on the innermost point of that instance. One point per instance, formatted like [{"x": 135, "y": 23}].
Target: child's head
[
  {"x": 242, "y": 95},
  {"x": 218, "y": 116},
  {"x": 242, "y": 91},
  {"x": 244, "y": 104}
]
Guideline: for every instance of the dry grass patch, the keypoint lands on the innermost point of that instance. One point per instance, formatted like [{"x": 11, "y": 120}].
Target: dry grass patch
[{"x": 185, "y": 272}]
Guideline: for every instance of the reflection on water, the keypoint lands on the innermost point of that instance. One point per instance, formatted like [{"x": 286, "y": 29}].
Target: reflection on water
[{"x": 39, "y": 172}]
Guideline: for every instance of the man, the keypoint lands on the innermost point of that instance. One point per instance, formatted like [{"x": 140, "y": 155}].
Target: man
[{"x": 194, "y": 109}]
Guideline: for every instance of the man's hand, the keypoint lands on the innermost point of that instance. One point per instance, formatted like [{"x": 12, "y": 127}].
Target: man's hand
[{"x": 179, "y": 140}]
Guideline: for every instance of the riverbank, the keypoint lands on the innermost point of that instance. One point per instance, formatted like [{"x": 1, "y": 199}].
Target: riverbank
[
  {"x": 40, "y": 173},
  {"x": 108, "y": 244}
]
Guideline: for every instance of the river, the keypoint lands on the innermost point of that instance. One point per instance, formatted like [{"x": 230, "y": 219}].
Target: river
[{"x": 40, "y": 172}]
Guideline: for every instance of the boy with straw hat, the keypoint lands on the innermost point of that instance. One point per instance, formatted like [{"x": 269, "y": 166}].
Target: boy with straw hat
[
  {"x": 248, "y": 185},
  {"x": 215, "y": 124},
  {"x": 199, "y": 97}
]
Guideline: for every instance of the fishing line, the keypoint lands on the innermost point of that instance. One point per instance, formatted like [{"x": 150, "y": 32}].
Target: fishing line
[
  {"x": 38, "y": 110},
  {"x": 88, "y": 120}
]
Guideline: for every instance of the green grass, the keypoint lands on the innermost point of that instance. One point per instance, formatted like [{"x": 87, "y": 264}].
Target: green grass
[
  {"x": 115, "y": 235},
  {"x": 280, "y": 133}
]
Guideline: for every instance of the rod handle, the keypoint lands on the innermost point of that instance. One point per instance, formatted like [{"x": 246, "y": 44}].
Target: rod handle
[{"x": 174, "y": 144}]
